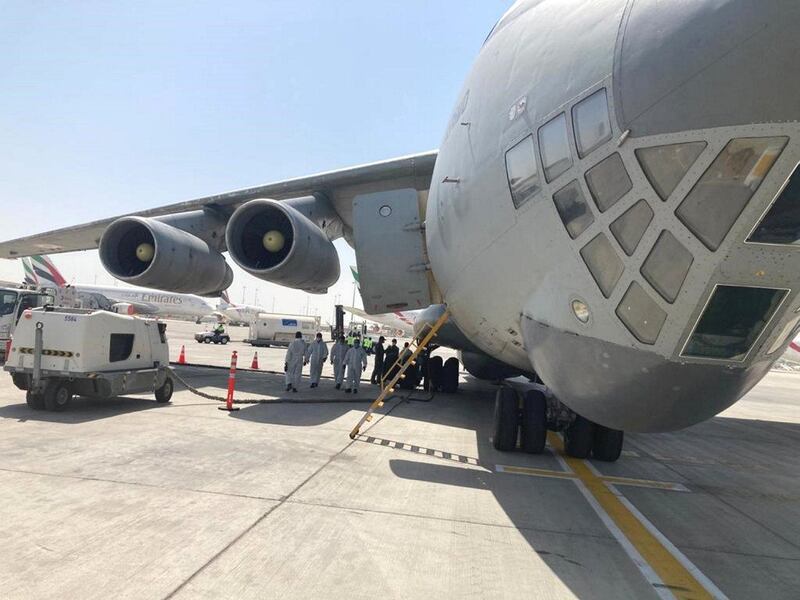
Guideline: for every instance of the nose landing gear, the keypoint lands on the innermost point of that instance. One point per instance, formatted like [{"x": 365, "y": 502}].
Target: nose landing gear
[{"x": 529, "y": 420}]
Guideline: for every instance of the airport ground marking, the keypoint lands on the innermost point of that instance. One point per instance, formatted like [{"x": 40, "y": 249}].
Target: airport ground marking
[
  {"x": 610, "y": 479},
  {"x": 670, "y": 572}
]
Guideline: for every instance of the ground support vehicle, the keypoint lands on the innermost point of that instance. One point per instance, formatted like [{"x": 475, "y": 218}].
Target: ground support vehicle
[
  {"x": 59, "y": 353},
  {"x": 212, "y": 337}
]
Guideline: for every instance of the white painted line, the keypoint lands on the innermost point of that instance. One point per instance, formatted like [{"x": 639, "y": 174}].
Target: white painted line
[
  {"x": 645, "y": 569},
  {"x": 671, "y": 548}
]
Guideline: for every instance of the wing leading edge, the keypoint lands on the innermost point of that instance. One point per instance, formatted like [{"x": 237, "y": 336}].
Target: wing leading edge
[{"x": 340, "y": 186}]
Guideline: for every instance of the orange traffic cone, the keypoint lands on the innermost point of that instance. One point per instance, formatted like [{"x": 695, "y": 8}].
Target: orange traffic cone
[
  {"x": 254, "y": 364},
  {"x": 182, "y": 357}
]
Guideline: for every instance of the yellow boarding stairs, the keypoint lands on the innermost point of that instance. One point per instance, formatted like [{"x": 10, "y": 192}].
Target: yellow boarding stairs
[{"x": 388, "y": 388}]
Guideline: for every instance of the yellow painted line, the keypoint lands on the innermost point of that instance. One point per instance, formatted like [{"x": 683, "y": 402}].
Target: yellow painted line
[{"x": 675, "y": 577}]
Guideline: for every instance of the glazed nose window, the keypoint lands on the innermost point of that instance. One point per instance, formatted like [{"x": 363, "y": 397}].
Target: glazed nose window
[
  {"x": 781, "y": 224},
  {"x": 732, "y": 322},
  {"x": 712, "y": 207}
]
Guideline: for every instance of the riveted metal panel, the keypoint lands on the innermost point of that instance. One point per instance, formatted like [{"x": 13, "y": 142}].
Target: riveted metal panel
[{"x": 390, "y": 251}]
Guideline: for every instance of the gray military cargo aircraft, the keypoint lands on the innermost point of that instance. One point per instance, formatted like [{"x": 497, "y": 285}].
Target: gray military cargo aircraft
[{"x": 615, "y": 206}]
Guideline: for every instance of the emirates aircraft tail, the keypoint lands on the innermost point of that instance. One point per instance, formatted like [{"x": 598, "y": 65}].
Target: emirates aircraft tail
[
  {"x": 30, "y": 275},
  {"x": 40, "y": 270}
]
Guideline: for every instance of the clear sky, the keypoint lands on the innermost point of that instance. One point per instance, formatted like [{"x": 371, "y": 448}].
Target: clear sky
[{"x": 112, "y": 107}]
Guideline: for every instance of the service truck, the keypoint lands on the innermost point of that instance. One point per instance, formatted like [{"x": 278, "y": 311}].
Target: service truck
[
  {"x": 60, "y": 352},
  {"x": 279, "y": 330},
  {"x": 13, "y": 302}
]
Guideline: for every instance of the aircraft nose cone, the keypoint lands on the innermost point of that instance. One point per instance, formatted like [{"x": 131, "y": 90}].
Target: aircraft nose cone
[{"x": 707, "y": 63}]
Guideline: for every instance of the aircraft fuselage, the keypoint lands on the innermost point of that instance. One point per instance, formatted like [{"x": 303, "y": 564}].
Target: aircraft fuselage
[{"x": 595, "y": 212}]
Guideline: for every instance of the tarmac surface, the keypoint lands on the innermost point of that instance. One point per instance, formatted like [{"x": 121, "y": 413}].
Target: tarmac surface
[{"x": 127, "y": 498}]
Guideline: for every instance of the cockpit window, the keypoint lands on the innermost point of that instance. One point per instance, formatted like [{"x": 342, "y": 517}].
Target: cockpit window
[
  {"x": 554, "y": 147},
  {"x": 591, "y": 122},
  {"x": 8, "y": 300},
  {"x": 732, "y": 322},
  {"x": 523, "y": 174},
  {"x": 781, "y": 224}
]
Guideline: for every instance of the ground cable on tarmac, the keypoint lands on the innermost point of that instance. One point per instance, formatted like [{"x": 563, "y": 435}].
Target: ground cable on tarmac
[{"x": 207, "y": 396}]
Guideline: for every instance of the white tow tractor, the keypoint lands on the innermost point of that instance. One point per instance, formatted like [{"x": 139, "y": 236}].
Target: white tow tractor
[{"x": 58, "y": 353}]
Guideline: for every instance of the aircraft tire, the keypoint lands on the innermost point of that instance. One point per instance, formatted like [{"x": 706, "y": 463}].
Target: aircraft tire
[
  {"x": 607, "y": 444},
  {"x": 450, "y": 375},
  {"x": 435, "y": 373},
  {"x": 506, "y": 419},
  {"x": 579, "y": 438},
  {"x": 533, "y": 425},
  {"x": 35, "y": 401},
  {"x": 57, "y": 395},
  {"x": 164, "y": 393}
]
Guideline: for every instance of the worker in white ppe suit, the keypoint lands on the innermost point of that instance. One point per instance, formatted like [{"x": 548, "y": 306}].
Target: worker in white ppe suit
[
  {"x": 337, "y": 360},
  {"x": 295, "y": 359},
  {"x": 356, "y": 362},
  {"x": 316, "y": 355}
]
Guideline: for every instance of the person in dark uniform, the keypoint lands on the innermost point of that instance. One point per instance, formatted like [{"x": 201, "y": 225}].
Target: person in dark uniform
[
  {"x": 389, "y": 358},
  {"x": 377, "y": 371}
]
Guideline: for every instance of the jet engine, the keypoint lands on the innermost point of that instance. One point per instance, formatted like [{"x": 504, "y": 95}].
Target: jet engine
[
  {"x": 151, "y": 253},
  {"x": 278, "y": 243}
]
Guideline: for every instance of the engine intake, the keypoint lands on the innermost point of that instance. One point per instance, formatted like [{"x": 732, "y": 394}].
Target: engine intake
[
  {"x": 277, "y": 243},
  {"x": 150, "y": 253}
]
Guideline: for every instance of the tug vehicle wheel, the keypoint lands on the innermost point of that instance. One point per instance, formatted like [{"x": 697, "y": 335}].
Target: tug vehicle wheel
[
  {"x": 57, "y": 395},
  {"x": 35, "y": 401},
  {"x": 164, "y": 393}
]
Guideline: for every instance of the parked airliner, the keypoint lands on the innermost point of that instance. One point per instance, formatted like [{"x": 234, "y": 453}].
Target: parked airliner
[{"x": 40, "y": 271}]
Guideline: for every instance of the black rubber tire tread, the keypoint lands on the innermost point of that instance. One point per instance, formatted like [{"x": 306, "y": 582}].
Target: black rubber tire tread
[
  {"x": 21, "y": 380},
  {"x": 225, "y": 340},
  {"x": 54, "y": 390},
  {"x": 533, "y": 424},
  {"x": 435, "y": 364},
  {"x": 35, "y": 401},
  {"x": 164, "y": 393},
  {"x": 506, "y": 419},
  {"x": 450, "y": 371},
  {"x": 607, "y": 444},
  {"x": 579, "y": 438}
]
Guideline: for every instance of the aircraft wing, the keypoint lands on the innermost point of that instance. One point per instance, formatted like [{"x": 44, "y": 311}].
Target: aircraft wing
[{"x": 340, "y": 186}]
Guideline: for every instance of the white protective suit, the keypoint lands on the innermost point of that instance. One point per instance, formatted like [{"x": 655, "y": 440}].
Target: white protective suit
[
  {"x": 316, "y": 355},
  {"x": 337, "y": 359},
  {"x": 356, "y": 361},
  {"x": 295, "y": 354}
]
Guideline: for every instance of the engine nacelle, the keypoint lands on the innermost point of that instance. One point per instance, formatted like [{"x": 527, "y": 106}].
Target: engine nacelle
[
  {"x": 277, "y": 243},
  {"x": 150, "y": 253},
  {"x": 123, "y": 308}
]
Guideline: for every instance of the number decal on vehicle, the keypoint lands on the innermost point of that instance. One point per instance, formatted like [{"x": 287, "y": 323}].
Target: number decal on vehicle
[{"x": 71, "y": 318}]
